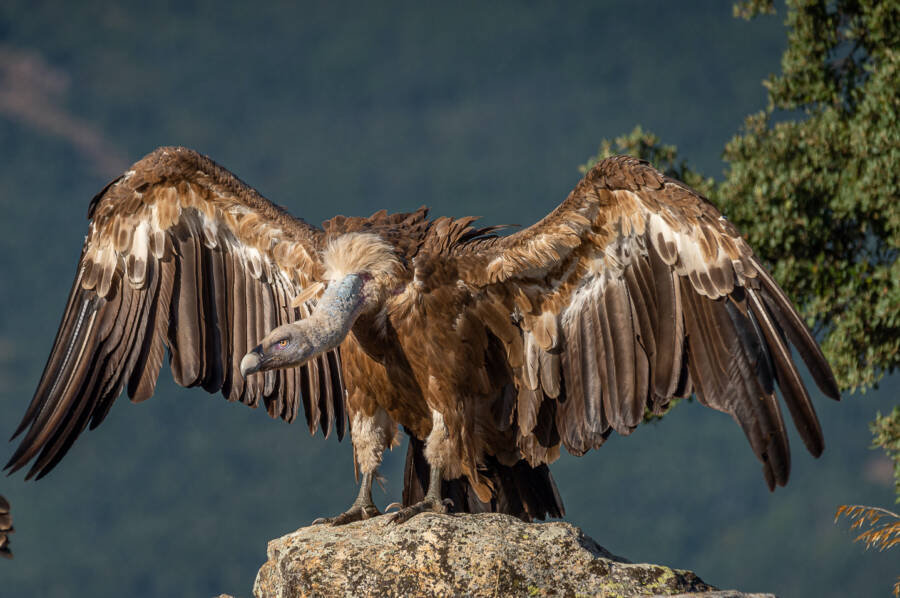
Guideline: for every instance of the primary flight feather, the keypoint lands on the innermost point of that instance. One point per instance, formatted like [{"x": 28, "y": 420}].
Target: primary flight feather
[{"x": 491, "y": 351}]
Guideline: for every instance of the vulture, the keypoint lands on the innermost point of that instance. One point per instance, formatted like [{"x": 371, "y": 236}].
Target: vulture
[
  {"x": 6, "y": 528},
  {"x": 490, "y": 350}
]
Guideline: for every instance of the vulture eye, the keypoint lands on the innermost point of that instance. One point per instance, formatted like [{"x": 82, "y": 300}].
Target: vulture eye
[{"x": 282, "y": 343}]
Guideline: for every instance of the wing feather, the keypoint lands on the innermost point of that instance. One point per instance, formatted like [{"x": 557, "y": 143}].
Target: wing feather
[
  {"x": 286, "y": 399},
  {"x": 549, "y": 370},
  {"x": 798, "y": 334},
  {"x": 240, "y": 344},
  {"x": 225, "y": 313},
  {"x": 116, "y": 365},
  {"x": 326, "y": 399},
  {"x": 528, "y": 402},
  {"x": 185, "y": 340},
  {"x": 658, "y": 296},
  {"x": 216, "y": 297},
  {"x": 180, "y": 255},
  {"x": 311, "y": 392},
  {"x": 618, "y": 335},
  {"x": 265, "y": 322},
  {"x": 337, "y": 379},
  {"x": 143, "y": 378},
  {"x": 792, "y": 388},
  {"x": 591, "y": 355},
  {"x": 642, "y": 338},
  {"x": 570, "y": 417}
]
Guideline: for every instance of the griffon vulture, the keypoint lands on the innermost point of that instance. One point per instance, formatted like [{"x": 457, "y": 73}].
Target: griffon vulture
[
  {"x": 491, "y": 351},
  {"x": 6, "y": 528}
]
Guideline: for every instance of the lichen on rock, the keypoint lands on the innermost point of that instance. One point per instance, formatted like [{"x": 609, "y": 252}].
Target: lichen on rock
[{"x": 460, "y": 555}]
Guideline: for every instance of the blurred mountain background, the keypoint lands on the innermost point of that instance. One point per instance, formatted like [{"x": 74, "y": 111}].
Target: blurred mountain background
[{"x": 468, "y": 107}]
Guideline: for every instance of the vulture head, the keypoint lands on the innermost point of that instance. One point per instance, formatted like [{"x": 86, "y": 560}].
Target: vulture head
[{"x": 359, "y": 269}]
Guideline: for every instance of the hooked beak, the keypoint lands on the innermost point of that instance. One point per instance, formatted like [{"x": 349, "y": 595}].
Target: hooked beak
[{"x": 252, "y": 361}]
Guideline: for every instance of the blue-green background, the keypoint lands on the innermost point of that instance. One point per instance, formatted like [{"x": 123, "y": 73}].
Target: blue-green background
[{"x": 469, "y": 107}]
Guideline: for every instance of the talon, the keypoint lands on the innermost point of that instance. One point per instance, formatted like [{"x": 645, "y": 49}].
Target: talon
[
  {"x": 429, "y": 505},
  {"x": 393, "y": 505},
  {"x": 354, "y": 513}
]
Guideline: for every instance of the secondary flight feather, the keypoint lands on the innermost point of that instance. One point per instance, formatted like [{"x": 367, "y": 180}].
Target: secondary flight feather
[{"x": 491, "y": 352}]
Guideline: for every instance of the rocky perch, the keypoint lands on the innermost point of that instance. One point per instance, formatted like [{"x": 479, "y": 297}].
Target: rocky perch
[{"x": 462, "y": 555}]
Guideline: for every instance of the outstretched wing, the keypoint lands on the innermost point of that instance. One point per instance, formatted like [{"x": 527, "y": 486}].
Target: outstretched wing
[
  {"x": 180, "y": 255},
  {"x": 634, "y": 291}
]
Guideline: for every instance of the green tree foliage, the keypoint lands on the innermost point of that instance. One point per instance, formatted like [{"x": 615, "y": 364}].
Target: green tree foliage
[
  {"x": 816, "y": 193},
  {"x": 813, "y": 182},
  {"x": 886, "y": 430}
]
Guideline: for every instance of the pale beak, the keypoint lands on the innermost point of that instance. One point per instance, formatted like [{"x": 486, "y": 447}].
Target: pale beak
[{"x": 251, "y": 361}]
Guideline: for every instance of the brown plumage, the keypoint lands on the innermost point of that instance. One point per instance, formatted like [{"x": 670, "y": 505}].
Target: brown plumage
[
  {"x": 492, "y": 352},
  {"x": 658, "y": 297},
  {"x": 6, "y": 528},
  {"x": 180, "y": 256}
]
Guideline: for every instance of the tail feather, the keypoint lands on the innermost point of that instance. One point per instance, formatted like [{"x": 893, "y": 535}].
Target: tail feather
[{"x": 521, "y": 490}]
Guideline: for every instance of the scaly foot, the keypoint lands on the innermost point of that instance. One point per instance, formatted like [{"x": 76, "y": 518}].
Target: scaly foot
[
  {"x": 354, "y": 513},
  {"x": 429, "y": 505}
]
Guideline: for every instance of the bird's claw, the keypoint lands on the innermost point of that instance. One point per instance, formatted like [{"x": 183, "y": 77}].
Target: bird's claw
[
  {"x": 429, "y": 505},
  {"x": 354, "y": 513}
]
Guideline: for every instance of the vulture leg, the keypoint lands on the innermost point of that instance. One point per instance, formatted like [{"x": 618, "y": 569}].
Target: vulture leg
[
  {"x": 362, "y": 508},
  {"x": 371, "y": 436},
  {"x": 436, "y": 453}
]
